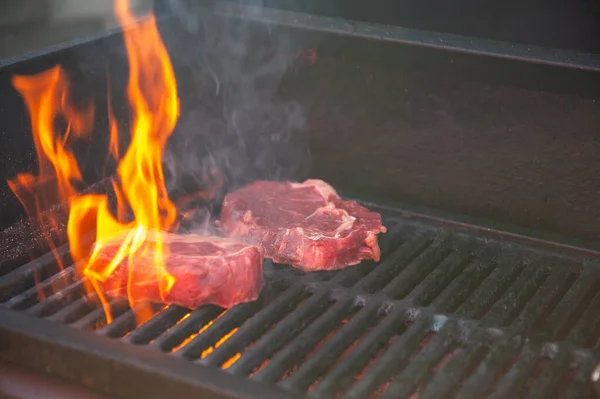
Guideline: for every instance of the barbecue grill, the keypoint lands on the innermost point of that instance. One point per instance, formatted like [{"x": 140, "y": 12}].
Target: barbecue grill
[{"x": 458, "y": 306}]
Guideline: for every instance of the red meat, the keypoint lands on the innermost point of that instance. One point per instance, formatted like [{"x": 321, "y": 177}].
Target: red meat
[
  {"x": 207, "y": 270},
  {"x": 304, "y": 224}
]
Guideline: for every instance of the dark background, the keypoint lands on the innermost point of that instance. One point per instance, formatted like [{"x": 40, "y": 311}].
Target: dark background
[{"x": 570, "y": 24}]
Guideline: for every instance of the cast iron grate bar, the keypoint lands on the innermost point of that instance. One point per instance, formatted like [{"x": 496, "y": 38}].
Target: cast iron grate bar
[
  {"x": 343, "y": 373},
  {"x": 322, "y": 360},
  {"x": 287, "y": 329},
  {"x": 566, "y": 312},
  {"x": 453, "y": 373},
  {"x": 491, "y": 368},
  {"x": 414, "y": 374},
  {"x": 547, "y": 382},
  {"x": 446, "y": 313},
  {"x": 436, "y": 280},
  {"x": 459, "y": 290},
  {"x": 419, "y": 268},
  {"x": 493, "y": 287},
  {"x": 224, "y": 324},
  {"x": 515, "y": 378},
  {"x": 502, "y": 313},
  {"x": 75, "y": 310},
  {"x": 256, "y": 327},
  {"x": 173, "y": 337},
  {"x": 546, "y": 298},
  {"x": 156, "y": 326},
  {"x": 58, "y": 300},
  {"x": 395, "y": 262},
  {"x": 302, "y": 346},
  {"x": 585, "y": 331},
  {"x": 54, "y": 283},
  {"x": 580, "y": 386},
  {"x": 24, "y": 277},
  {"x": 398, "y": 356}
]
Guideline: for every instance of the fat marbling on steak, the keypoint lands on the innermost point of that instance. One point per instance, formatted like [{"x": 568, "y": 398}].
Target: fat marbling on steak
[
  {"x": 304, "y": 224},
  {"x": 207, "y": 270}
]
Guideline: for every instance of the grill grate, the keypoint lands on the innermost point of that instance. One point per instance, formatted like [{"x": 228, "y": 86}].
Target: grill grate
[{"x": 448, "y": 312}]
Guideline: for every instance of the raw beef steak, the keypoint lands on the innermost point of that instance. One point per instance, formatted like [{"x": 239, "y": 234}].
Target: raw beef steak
[
  {"x": 207, "y": 270},
  {"x": 304, "y": 224}
]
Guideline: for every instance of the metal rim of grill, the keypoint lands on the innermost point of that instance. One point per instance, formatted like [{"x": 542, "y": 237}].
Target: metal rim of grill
[{"x": 447, "y": 312}]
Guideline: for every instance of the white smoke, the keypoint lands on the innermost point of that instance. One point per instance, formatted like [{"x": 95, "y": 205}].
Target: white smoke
[{"x": 234, "y": 126}]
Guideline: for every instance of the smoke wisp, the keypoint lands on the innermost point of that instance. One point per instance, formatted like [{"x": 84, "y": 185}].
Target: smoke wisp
[{"x": 234, "y": 126}]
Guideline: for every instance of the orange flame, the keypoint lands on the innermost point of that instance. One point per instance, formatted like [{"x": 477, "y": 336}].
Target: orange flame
[
  {"x": 152, "y": 93},
  {"x": 139, "y": 185},
  {"x": 46, "y": 96},
  {"x": 113, "y": 147}
]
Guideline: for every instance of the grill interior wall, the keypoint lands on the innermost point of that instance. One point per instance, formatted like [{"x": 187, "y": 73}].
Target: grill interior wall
[{"x": 463, "y": 134}]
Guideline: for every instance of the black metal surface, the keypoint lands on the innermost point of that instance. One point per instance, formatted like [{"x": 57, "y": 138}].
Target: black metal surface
[
  {"x": 403, "y": 35},
  {"x": 448, "y": 312},
  {"x": 516, "y": 21}
]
